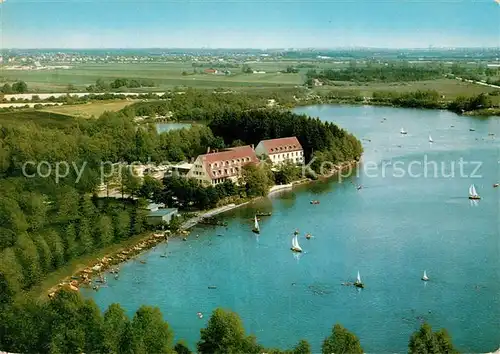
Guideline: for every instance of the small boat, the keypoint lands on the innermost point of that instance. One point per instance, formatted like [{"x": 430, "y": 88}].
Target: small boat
[
  {"x": 430, "y": 139},
  {"x": 359, "y": 187},
  {"x": 472, "y": 130},
  {"x": 308, "y": 236},
  {"x": 296, "y": 232},
  {"x": 264, "y": 214},
  {"x": 358, "y": 282},
  {"x": 403, "y": 131},
  {"x": 212, "y": 287},
  {"x": 495, "y": 185},
  {"x": 425, "y": 277},
  {"x": 200, "y": 315},
  {"x": 473, "y": 193},
  {"x": 295, "y": 245},
  {"x": 314, "y": 202},
  {"x": 256, "y": 228},
  {"x": 143, "y": 262}
]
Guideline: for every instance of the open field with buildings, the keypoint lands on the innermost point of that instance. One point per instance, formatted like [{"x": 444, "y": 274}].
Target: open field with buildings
[{"x": 164, "y": 75}]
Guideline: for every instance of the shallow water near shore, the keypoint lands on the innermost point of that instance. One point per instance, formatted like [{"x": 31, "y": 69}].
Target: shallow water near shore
[{"x": 391, "y": 230}]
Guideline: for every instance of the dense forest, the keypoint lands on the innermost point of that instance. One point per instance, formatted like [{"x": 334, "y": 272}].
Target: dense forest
[
  {"x": 68, "y": 324},
  {"x": 381, "y": 73}
]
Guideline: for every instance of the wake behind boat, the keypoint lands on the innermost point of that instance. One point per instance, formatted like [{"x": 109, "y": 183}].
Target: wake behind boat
[{"x": 473, "y": 193}]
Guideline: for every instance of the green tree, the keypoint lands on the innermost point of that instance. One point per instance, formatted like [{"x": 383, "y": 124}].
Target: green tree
[
  {"x": 10, "y": 276},
  {"x": 69, "y": 240},
  {"x": 151, "y": 333},
  {"x": 85, "y": 239},
  {"x": 182, "y": 348},
  {"x": 121, "y": 225},
  {"x": 130, "y": 182},
  {"x": 287, "y": 173},
  {"x": 56, "y": 246},
  {"x": 341, "y": 341},
  {"x": 150, "y": 188},
  {"x": 302, "y": 347},
  {"x": 6, "y": 88},
  {"x": 44, "y": 253},
  {"x": 103, "y": 232},
  {"x": 256, "y": 180},
  {"x": 29, "y": 259},
  {"x": 425, "y": 341},
  {"x": 20, "y": 87},
  {"x": 225, "y": 334},
  {"x": 114, "y": 328}
]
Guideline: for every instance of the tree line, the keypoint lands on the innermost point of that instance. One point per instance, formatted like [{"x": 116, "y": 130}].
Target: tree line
[
  {"x": 16, "y": 87},
  {"x": 383, "y": 73},
  {"x": 69, "y": 324},
  {"x": 119, "y": 83}
]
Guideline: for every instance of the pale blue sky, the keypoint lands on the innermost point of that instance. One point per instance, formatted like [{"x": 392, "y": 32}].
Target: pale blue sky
[{"x": 248, "y": 23}]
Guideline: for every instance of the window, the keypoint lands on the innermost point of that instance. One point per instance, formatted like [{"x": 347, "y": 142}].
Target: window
[{"x": 225, "y": 171}]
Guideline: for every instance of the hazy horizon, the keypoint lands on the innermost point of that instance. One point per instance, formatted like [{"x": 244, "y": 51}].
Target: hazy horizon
[{"x": 228, "y": 24}]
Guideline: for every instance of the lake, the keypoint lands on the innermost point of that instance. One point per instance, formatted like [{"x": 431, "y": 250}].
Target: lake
[
  {"x": 412, "y": 214},
  {"x": 165, "y": 127}
]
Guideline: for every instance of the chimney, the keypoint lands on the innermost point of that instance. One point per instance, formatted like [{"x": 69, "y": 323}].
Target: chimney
[
  {"x": 208, "y": 150},
  {"x": 252, "y": 147}
]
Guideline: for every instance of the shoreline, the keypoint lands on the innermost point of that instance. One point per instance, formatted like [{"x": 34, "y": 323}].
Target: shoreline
[{"x": 85, "y": 276}]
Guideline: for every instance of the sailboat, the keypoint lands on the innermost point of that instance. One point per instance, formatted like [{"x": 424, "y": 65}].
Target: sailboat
[
  {"x": 358, "y": 282},
  {"x": 256, "y": 227},
  {"x": 430, "y": 139},
  {"x": 295, "y": 244},
  {"x": 403, "y": 131},
  {"x": 425, "y": 277},
  {"x": 472, "y": 192}
]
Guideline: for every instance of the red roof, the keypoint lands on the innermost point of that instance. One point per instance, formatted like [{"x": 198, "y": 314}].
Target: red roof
[
  {"x": 275, "y": 146},
  {"x": 228, "y": 163}
]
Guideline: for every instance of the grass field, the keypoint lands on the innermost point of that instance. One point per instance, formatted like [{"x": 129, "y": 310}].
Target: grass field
[
  {"x": 165, "y": 76},
  {"x": 47, "y": 119},
  {"x": 450, "y": 88},
  {"x": 91, "y": 109}
]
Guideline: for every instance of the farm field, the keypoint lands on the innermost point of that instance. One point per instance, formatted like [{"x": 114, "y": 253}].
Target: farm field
[
  {"x": 47, "y": 119},
  {"x": 165, "y": 76},
  {"x": 91, "y": 109},
  {"x": 450, "y": 88}
]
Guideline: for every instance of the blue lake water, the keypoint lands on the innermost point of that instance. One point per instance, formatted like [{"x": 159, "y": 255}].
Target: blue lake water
[
  {"x": 397, "y": 226},
  {"x": 165, "y": 127}
]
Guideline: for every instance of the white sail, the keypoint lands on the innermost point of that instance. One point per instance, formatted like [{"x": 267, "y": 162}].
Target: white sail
[
  {"x": 358, "y": 279},
  {"x": 295, "y": 244},
  {"x": 430, "y": 139},
  {"x": 256, "y": 224},
  {"x": 472, "y": 191}
]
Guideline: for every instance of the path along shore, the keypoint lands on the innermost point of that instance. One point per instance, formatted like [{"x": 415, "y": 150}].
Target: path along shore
[{"x": 84, "y": 276}]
